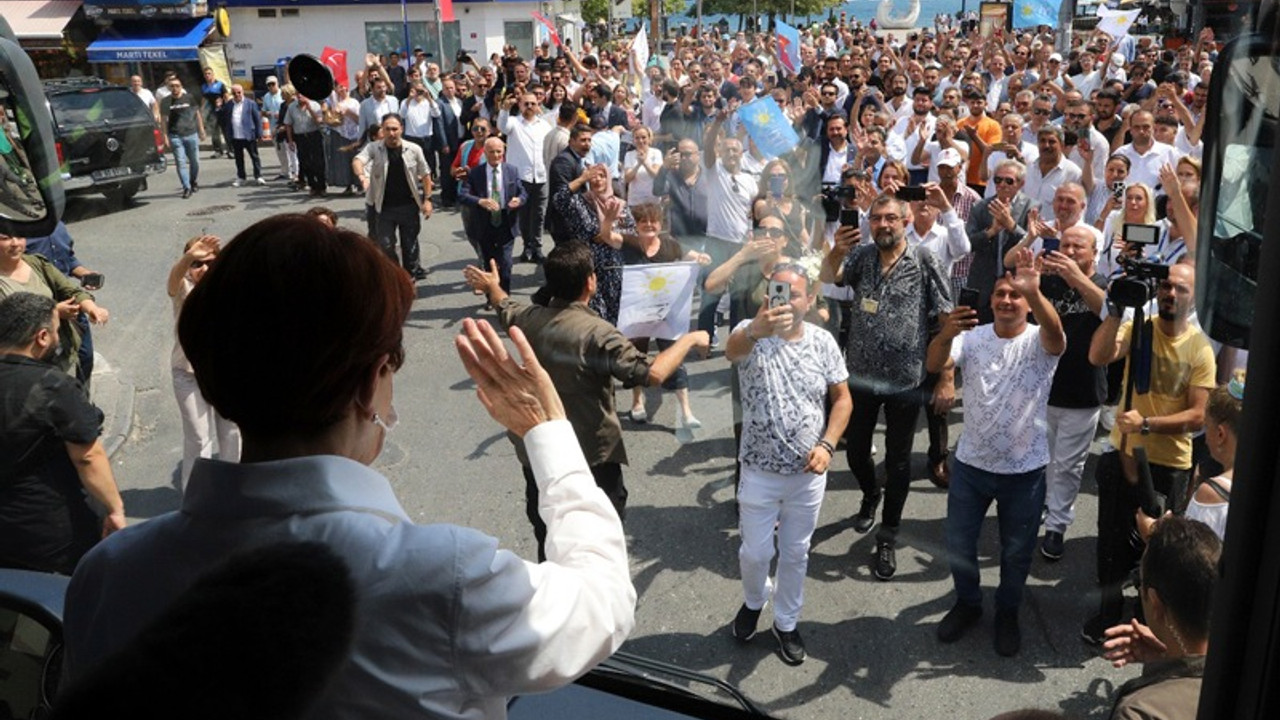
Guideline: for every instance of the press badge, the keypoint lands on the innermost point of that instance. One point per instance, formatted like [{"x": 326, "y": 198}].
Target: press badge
[{"x": 870, "y": 306}]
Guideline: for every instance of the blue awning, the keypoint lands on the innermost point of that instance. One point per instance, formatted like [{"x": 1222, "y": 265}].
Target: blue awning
[{"x": 155, "y": 41}]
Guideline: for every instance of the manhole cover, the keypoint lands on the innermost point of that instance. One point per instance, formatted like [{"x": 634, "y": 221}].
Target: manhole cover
[{"x": 211, "y": 210}]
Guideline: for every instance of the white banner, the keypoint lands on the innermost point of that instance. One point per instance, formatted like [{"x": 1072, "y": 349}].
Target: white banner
[
  {"x": 1116, "y": 23},
  {"x": 640, "y": 51},
  {"x": 657, "y": 300}
]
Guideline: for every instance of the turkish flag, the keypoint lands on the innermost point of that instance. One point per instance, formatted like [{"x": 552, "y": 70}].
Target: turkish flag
[
  {"x": 336, "y": 61},
  {"x": 446, "y": 10},
  {"x": 551, "y": 28}
]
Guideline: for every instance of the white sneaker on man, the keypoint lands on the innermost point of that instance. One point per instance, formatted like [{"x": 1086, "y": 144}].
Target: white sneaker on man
[{"x": 237, "y": 182}]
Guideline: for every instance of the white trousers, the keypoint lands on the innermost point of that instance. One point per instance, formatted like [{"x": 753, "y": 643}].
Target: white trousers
[
  {"x": 791, "y": 503},
  {"x": 1070, "y": 434},
  {"x": 201, "y": 427},
  {"x": 288, "y": 157}
]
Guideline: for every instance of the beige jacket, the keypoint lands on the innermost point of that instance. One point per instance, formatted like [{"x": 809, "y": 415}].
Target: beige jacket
[{"x": 373, "y": 158}]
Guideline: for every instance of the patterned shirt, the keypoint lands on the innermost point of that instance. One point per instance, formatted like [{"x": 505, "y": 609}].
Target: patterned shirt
[
  {"x": 892, "y": 314},
  {"x": 784, "y": 391}
]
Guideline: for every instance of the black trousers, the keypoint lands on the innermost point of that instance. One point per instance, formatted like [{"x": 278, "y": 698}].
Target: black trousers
[
  {"x": 1118, "y": 547},
  {"x": 608, "y": 478},
  {"x": 531, "y": 217},
  {"x": 403, "y": 221},
  {"x": 311, "y": 159},
  {"x": 247, "y": 146},
  {"x": 901, "y": 412},
  {"x": 448, "y": 185}
]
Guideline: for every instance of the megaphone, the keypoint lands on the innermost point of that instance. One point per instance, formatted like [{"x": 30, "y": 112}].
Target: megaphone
[{"x": 310, "y": 77}]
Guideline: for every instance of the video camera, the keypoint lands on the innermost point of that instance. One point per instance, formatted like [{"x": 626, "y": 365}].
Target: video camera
[
  {"x": 464, "y": 56},
  {"x": 833, "y": 197},
  {"x": 1136, "y": 288}
]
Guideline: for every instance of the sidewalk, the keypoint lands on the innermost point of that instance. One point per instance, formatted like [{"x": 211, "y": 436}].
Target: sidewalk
[{"x": 113, "y": 394}]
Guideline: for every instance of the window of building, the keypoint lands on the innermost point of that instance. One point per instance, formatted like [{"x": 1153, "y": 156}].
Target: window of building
[
  {"x": 384, "y": 37},
  {"x": 266, "y": 12}
]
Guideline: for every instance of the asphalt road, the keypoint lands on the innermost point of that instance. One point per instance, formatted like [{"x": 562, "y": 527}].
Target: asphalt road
[{"x": 872, "y": 651}]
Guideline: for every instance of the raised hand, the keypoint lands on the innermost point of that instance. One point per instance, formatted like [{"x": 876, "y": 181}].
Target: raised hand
[{"x": 519, "y": 395}]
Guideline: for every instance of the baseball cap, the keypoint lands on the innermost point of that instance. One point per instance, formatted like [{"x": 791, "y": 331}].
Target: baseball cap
[
  {"x": 1055, "y": 57},
  {"x": 272, "y": 79},
  {"x": 950, "y": 158},
  {"x": 1117, "y": 59}
]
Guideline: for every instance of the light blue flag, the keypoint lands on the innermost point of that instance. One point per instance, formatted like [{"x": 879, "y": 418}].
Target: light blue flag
[
  {"x": 768, "y": 127},
  {"x": 1030, "y": 13}
]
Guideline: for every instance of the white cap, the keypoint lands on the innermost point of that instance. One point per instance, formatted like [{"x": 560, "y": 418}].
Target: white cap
[
  {"x": 1055, "y": 57},
  {"x": 950, "y": 157},
  {"x": 1117, "y": 59},
  {"x": 272, "y": 79}
]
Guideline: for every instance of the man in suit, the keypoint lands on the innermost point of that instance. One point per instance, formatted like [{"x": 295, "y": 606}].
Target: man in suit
[
  {"x": 449, "y": 134},
  {"x": 613, "y": 115},
  {"x": 995, "y": 225},
  {"x": 565, "y": 177},
  {"x": 243, "y": 123},
  {"x": 495, "y": 190}
]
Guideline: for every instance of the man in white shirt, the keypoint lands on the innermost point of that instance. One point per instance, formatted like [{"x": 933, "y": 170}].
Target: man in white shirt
[
  {"x": 1008, "y": 368},
  {"x": 729, "y": 191},
  {"x": 937, "y": 227},
  {"x": 143, "y": 94},
  {"x": 1144, "y": 153},
  {"x": 1011, "y": 147},
  {"x": 526, "y": 134},
  {"x": 1079, "y": 119},
  {"x": 378, "y": 105},
  {"x": 1049, "y": 171},
  {"x": 915, "y": 129}
]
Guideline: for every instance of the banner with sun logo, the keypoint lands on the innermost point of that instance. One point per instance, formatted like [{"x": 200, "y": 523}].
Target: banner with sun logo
[
  {"x": 657, "y": 300},
  {"x": 768, "y": 127},
  {"x": 1033, "y": 13}
]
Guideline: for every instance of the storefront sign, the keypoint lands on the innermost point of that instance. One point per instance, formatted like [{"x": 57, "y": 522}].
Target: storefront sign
[{"x": 145, "y": 8}]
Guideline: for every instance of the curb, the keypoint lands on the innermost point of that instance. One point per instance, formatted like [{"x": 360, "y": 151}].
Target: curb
[{"x": 114, "y": 396}]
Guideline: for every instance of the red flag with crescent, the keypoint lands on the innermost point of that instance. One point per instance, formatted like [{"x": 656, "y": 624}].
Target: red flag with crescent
[
  {"x": 336, "y": 61},
  {"x": 551, "y": 28}
]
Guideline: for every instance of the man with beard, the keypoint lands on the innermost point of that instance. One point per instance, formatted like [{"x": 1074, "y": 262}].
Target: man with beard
[
  {"x": 915, "y": 129},
  {"x": 1146, "y": 156},
  {"x": 1050, "y": 171},
  {"x": 51, "y": 456},
  {"x": 996, "y": 224},
  {"x": 1079, "y": 119},
  {"x": 820, "y": 111},
  {"x": 897, "y": 104},
  {"x": 399, "y": 187},
  {"x": 1182, "y": 372},
  {"x": 898, "y": 291}
]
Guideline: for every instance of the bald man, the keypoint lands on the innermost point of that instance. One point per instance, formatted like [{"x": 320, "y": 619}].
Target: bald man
[{"x": 494, "y": 189}]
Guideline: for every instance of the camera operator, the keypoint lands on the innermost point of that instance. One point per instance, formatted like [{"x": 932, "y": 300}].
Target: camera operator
[{"x": 1181, "y": 374}]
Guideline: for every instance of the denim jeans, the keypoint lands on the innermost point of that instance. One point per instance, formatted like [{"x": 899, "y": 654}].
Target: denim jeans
[
  {"x": 186, "y": 152},
  {"x": 1019, "y": 499}
]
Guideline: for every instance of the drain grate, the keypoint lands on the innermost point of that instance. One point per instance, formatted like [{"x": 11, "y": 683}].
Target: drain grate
[{"x": 211, "y": 210}]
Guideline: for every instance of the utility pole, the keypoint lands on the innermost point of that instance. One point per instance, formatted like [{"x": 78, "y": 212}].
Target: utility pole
[{"x": 441, "y": 59}]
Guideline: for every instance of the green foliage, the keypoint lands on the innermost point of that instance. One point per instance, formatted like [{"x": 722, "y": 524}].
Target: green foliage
[
  {"x": 668, "y": 7},
  {"x": 766, "y": 7}
]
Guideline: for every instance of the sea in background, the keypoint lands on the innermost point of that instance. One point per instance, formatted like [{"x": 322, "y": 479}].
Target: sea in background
[{"x": 863, "y": 10}]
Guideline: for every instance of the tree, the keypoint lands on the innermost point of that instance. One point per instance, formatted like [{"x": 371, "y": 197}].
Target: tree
[{"x": 668, "y": 8}]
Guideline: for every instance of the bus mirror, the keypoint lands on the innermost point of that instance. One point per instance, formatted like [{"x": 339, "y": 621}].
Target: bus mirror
[
  {"x": 1235, "y": 186},
  {"x": 31, "y": 197}
]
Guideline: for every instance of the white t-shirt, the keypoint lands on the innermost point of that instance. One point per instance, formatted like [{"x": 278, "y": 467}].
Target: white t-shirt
[
  {"x": 784, "y": 392},
  {"x": 640, "y": 191},
  {"x": 1145, "y": 168},
  {"x": 728, "y": 209},
  {"x": 1006, "y": 391}
]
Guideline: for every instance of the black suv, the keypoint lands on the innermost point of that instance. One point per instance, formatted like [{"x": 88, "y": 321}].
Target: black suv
[{"x": 107, "y": 139}]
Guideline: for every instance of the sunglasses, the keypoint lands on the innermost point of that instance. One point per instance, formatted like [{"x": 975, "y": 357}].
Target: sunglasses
[
  {"x": 1005, "y": 180},
  {"x": 773, "y": 233},
  {"x": 1040, "y": 111}
]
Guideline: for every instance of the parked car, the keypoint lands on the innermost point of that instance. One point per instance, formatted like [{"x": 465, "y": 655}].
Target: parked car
[{"x": 107, "y": 140}]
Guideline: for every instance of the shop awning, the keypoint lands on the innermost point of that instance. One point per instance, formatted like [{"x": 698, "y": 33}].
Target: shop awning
[
  {"x": 154, "y": 41},
  {"x": 39, "y": 19}
]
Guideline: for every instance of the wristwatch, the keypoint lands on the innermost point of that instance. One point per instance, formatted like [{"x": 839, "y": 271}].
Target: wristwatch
[{"x": 1146, "y": 426}]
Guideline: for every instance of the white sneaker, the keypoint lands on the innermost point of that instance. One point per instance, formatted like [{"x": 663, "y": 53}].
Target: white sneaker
[
  {"x": 237, "y": 182},
  {"x": 260, "y": 181}
]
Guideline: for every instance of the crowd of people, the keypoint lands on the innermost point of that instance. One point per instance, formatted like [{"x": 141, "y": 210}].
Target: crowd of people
[{"x": 961, "y": 215}]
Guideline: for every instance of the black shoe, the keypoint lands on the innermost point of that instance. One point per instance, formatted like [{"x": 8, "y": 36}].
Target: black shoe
[
  {"x": 186, "y": 193},
  {"x": 866, "y": 517},
  {"x": 957, "y": 621},
  {"x": 419, "y": 273},
  {"x": 1008, "y": 638},
  {"x": 745, "y": 623},
  {"x": 195, "y": 188},
  {"x": 886, "y": 561},
  {"x": 790, "y": 645},
  {"x": 1051, "y": 547},
  {"x": 1094, "y": 630}
]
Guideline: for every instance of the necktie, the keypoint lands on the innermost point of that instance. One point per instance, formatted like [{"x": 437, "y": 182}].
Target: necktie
[{"x": 495, "y": 194}]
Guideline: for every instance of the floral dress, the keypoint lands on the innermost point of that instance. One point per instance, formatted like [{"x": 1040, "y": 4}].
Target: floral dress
[{"x": 583, "y": 224}]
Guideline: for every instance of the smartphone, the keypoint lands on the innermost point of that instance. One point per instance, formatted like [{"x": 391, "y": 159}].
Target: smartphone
[
  {"x": 779, "y": 294},
  {"x": 1050, "y": 244},
  {"x": 92, "y": 281},
  {"x": 911, "y": 193},
  {"x": 849, "y": 216},
  {"x": 776, "y": 185},
  {"x": 1117, "y": 190},
  {"x": 969, "y": 297}
]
